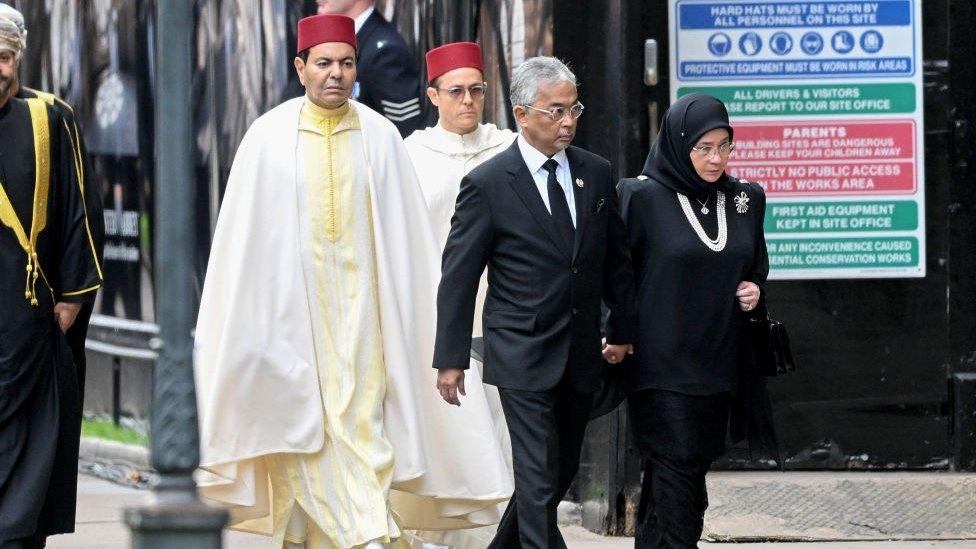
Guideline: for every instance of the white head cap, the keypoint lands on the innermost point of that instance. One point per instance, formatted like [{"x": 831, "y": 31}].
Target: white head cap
[
  {"x": 10, "y": 38},
  {"x": 15, "y": 17}
]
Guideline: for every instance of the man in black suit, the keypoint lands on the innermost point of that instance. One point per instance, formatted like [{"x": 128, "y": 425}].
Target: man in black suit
[
  {"x": 388, "y": 81},
  {"x": 542, "y": 216}
]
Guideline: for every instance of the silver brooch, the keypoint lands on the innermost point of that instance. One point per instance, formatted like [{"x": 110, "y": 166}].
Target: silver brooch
[
  {"x": 742, "y": 203},
  {"x": 579, "y": 182}
]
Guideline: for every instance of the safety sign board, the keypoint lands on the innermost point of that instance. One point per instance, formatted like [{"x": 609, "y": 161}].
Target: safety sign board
[
  {"x": 832, "y": 217},
  {"x": 861, "y": 254},
  {"x": 796, "y": 40},
  {"x": 874, "y": 157},
  {"x": 826, "y": 107},
  {"x": 814, "y": 99}
]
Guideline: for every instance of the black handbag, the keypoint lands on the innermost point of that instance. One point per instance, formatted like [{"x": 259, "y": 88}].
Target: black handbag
[{"x": 770, "y": 342}]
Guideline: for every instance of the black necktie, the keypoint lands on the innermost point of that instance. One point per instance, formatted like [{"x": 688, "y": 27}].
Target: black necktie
[{"x": 558, "y": 205}]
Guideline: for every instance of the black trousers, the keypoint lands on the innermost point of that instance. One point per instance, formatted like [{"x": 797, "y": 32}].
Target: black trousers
[
  {"x": 679, "y": 436},
  {"x": 547, "y": 431}
]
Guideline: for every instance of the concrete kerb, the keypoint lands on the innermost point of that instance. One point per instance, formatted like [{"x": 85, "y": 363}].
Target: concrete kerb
[
  {"x": 850, "y": 506},
  {"x": 108, "y": 451}
]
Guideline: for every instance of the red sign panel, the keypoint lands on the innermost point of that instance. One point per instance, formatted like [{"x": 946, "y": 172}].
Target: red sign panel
[{"x": 827, "y": 158}]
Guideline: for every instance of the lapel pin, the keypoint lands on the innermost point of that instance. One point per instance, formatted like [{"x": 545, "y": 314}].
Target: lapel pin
[{"x": 579, "y": 182}]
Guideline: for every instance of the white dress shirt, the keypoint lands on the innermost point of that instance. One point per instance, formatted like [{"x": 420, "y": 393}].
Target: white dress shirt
[
  {"x": 360, "y": 19},
  {"x": 534, "y": 161}
]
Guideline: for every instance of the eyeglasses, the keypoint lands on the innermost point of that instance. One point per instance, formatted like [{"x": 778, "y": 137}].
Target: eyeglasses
[
  {"x": 707, "y": 151},
  {"x": 456, "y": 93},
  {"x": 558, "y": 113}
]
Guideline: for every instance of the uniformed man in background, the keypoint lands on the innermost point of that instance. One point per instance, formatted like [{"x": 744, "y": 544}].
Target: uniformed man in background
[{"x": 388, "y": 80}]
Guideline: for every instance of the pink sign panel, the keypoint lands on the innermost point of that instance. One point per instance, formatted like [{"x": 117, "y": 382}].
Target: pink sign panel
[{"x": 827, "y": 158}]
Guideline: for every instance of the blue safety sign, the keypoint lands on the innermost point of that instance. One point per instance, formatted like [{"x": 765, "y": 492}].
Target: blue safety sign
[
  {"x": 871, "y": 41},
  {"x": 719, "y": 44},
  {"x": 812, "y": 43},
  {"x": 776, "y": 40},
  {"x": 843, "y": 42},
  {"x": 781, "y": 43},
  {"x": 750, "y": 44}
]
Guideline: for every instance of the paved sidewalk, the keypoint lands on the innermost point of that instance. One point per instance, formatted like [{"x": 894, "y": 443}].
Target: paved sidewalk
[
  {"x": 99, "y": 523},
  {"x": 853, "y": 506},
  {"x": 100, "y": 526}
]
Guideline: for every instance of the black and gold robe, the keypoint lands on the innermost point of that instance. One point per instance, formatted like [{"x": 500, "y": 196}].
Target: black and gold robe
[
  {"x": 92, "y": 196},
  {"x": 47, "y": 255}
]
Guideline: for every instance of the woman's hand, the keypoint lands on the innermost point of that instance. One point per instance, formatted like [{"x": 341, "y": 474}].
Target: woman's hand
[
  {"x": 748, "y": 295},
  {"x": 616, "y": 353}
]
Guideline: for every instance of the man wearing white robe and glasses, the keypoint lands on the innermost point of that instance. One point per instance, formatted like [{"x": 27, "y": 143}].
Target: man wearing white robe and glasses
[{"x": 442, "y": 155}]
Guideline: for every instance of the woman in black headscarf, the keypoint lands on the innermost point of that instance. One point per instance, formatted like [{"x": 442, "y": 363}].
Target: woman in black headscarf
[{"x": 696, "y": 238}]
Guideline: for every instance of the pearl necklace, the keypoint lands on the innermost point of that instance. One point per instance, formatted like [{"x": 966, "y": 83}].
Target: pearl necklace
[{"x": 718, "y": 244}]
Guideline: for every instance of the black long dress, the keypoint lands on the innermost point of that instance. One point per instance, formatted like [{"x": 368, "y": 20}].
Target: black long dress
[
  {"x": 690, "y": 324},
  {"x": 692, "y": 243},
  {"x": 39, "y": 406}
]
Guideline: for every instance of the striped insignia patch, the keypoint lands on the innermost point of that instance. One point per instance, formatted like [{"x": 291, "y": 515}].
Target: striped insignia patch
[{"x": 398, "y": 112}]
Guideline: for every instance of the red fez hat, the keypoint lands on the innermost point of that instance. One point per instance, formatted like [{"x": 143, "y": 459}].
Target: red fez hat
[
  {"x": 319, "y": 29},
  {"x": 453, "y": 56}
]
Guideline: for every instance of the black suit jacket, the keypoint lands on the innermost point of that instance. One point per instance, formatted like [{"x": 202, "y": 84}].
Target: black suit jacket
[
  {"x": 387, "y": 75},
  {"x": 542, "y": 313}
]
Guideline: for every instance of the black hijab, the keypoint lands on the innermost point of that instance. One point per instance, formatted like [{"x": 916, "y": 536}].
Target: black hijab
[{"x": 685, "y": 122}]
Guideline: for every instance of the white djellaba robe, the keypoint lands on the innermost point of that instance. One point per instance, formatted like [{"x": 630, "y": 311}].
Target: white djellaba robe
[
  {"x": 442, "y": 158},
  {"x": 257, "y": 384}
]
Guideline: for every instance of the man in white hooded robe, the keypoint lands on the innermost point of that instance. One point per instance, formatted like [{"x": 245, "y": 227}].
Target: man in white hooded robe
[{"x": 442, "y": 155}]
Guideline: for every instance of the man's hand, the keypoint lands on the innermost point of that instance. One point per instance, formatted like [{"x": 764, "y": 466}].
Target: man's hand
[
  {"x": 450, "y": 382},
  {"x": 616, "y": 353},
  {"x": 65, "y": 314},
  {"x": 748, "y": 295}
]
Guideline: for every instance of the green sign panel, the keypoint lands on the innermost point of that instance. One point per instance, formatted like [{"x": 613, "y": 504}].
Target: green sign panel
[
  {"x": 820, "y": 99},
  {"x": 841, "y": 217},
  {"x": 843, "y": 253}
]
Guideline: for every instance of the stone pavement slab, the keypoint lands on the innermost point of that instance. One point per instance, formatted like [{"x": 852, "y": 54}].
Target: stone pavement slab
[
  {"x": 812, "y": 506},
  {"x": 99, "y": 521}
]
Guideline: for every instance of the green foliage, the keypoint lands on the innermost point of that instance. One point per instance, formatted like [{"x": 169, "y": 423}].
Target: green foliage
[{"x": 105, "y": 429}]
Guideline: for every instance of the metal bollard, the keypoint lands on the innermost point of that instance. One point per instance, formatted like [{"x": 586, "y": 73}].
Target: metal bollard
[{"x": 962, "y": 392}]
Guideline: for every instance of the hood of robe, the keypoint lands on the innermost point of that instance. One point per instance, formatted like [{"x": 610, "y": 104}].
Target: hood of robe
[{"x": 485, "y": 137}]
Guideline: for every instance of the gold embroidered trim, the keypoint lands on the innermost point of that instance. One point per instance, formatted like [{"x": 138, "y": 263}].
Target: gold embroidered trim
[
  {"x": 75, "y": 139},
  {"x": 42, "y": 182},
  {"x": 85, "y": 291}
]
